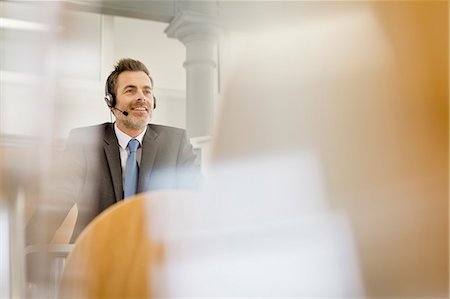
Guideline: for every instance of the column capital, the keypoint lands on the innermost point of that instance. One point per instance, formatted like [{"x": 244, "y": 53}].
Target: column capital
[{"x": 190, "y": 26}]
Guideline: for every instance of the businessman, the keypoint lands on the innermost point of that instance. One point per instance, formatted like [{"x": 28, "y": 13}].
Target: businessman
[{"x": 110, "y": 162}]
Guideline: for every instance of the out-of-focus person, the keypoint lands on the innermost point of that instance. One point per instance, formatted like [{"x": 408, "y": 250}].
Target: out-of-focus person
[{"x": 353, "y": 104}]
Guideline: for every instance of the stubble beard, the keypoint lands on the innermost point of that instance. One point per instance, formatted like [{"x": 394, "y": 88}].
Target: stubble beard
[{"x": 134, "y": 123}]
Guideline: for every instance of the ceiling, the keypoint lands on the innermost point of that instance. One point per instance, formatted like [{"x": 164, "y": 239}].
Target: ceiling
[{"x": 230, "y": 15}]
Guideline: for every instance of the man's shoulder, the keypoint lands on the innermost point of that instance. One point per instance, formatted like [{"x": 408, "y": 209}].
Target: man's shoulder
[{"x": 161, "y": 129}]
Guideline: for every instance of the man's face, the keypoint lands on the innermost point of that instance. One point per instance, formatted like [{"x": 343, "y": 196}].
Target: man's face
[{"x": 134, "y": 94}]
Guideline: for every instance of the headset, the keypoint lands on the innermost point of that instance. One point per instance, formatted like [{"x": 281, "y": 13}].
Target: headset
[{"x": 111, "y": 100}]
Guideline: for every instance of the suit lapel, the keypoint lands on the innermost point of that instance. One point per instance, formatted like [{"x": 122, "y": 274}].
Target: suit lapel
[
  {"x": 111, "y": 147},
  {"x": 149, "y": 149}
]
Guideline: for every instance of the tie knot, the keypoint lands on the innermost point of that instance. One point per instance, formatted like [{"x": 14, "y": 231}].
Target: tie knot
[{"x": 133, "y": 145}]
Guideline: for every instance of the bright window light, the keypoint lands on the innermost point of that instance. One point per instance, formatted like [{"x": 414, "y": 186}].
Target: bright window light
[{"x": 22, "y": 25}]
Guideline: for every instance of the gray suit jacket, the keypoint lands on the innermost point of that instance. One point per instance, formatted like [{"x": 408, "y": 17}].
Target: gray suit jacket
[{"x": 92, "y": 173}]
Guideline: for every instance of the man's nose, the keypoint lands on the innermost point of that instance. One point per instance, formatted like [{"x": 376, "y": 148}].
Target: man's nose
[{"x": 141, "y": 96}]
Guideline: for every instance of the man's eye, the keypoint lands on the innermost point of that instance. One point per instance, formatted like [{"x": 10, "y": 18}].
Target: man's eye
[{"x": 128, "y": 90}]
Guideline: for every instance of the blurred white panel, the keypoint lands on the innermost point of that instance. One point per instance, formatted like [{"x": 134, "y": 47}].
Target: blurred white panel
[
  {"x": 34, "y": 62},
  {"x": 263, "y": 229},
  {"x": 20, "y": 43},
  {"x": 311, "y": 257},
  {"x": 79, "y": 46},
  {"x": 21, "y": 109},
  {"x": 268, "y": 188},
  {"x": 247, "y": 247}
]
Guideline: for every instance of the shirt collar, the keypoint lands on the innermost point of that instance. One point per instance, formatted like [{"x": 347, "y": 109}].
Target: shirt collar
[{"x": 123, "y": 138}]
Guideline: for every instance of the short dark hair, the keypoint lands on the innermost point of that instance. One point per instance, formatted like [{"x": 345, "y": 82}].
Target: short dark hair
[{"x": 124, "y": 64}]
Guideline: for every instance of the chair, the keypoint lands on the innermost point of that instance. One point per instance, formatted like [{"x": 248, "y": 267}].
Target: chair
[{"x": 111, "y": 257}]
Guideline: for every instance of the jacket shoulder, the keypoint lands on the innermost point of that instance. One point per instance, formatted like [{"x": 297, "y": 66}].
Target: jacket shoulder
[{"x": 161, "y": 129}]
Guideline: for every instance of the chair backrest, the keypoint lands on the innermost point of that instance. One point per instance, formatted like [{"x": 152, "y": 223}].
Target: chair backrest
[{"x": 111, "y": 257}]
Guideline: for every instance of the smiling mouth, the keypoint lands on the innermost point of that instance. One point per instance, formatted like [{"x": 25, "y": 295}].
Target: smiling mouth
[{"x": 143, "y": 109}]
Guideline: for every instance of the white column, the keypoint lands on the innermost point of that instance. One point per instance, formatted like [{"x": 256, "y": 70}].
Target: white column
[{"x": 199, "y": 34}]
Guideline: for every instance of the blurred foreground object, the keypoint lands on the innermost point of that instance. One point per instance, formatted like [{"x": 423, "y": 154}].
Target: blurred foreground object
[
  {"x": 172, "y": 244},
  {"x": 364, "y": 93},
  {"x": 113, "y": 256}
]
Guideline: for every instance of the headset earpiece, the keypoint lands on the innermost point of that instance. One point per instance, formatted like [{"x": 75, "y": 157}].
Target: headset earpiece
[{"x": 109, "y": 99}]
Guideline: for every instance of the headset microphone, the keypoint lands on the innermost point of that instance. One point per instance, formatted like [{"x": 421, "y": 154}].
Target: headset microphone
[{"x": 123, "y": 112}]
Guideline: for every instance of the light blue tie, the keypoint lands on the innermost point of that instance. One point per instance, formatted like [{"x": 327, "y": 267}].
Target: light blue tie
[{"x": 131, "y": 169}]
